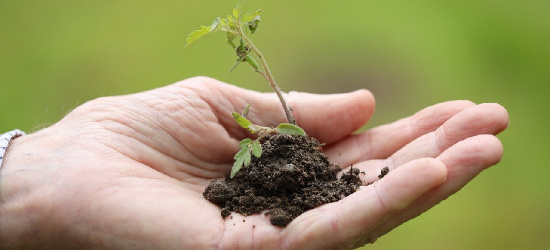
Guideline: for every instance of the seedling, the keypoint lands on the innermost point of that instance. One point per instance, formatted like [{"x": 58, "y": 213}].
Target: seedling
[{"x": 237, "y": 27}]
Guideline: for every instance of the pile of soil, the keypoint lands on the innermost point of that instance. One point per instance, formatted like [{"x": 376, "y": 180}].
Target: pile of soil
[{"x": 292, "y": 176}]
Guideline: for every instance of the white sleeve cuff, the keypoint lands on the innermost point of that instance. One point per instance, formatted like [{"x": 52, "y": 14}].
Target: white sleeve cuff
[{"x": 5, "y": 141}]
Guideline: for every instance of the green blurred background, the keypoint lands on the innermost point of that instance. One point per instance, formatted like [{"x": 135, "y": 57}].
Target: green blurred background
[{"x": 55, "y": 55}]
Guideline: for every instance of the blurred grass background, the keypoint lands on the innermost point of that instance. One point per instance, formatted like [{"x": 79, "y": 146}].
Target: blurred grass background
[{"x": 55, "y": 55}]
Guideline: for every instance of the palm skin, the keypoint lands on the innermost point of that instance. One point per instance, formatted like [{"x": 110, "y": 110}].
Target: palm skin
[{"x": 129, "y": 171}]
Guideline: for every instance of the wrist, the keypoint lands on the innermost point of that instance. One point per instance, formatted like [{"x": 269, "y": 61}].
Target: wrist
[{"x": 22, "y": 206}]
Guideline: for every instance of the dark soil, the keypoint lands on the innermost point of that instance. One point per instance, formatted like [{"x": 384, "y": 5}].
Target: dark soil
[
  {"x": 292, "y": 176},
  {"x": 383, "y": 172}
]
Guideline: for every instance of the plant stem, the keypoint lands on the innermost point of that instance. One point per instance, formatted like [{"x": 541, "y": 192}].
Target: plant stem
[
  {"x": 267, "y": 74},
  {"x": 269, "y": 77}
]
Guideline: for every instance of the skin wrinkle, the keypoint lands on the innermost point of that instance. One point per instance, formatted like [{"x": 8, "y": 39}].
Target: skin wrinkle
[
  {"x": 288, "y": 237},
  {"x": 441, "y": 146},
  {"x": 363, "y": 144},
  {"x": 335, "y": 219},
  {"x": 139, "y": 159},
  {"x": 75, "y": 220},
  {"x": 336, "y": 222},
  {"x": 30, "y": 212},
  {"x": 210, "y": 167},
  {"x": 412, "y": 127},
  {"x": 194, "y": 107},
  {"x": 219, "y": 109},
  {"x": 208, "y": 91},
  {"x": 379, "y": 198},
  {"x": 348, "y": 115},
  {"x": 108, "y": 191}
]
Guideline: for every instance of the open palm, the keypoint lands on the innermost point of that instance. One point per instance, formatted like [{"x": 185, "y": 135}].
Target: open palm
[{"x": 129, "y": 171}]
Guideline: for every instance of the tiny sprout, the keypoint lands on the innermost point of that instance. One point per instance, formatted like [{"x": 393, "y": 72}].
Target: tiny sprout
[{"x": 236, "y": 25}]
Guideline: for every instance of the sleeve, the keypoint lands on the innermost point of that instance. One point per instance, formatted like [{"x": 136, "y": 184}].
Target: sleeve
[{"x": 5, "y": 141}]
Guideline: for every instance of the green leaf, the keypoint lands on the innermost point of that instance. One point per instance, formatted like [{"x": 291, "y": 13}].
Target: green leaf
[
  {"x": 231, "y": 21},
  {"x": 245, "y": 142},
  {"x": 247, "y": 158},
  {"x": 290, "y": 129},
  {"x": 241, "y": 153},
  {"x": 237, "y": 10},
  {"x": 203, "y": 31},
  {"x": 252, "y": 63},
  {"x": 197, "y": 34},
  {"x": 245, "y": 123},
  {"x": 249, "y": 17},
  {"x": 237, "y": 166},
  {"x": 223, "y": 23},
  {"x": 257, "y": 149}
]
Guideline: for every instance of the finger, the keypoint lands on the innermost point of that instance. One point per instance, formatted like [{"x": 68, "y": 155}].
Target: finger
[
  {"x": 480, "y": 119},
  {"x": 464, "y": 161},
  {"x": 489, "y": 118},
  {"x": 380, "y": 142},
  {"x": 353, "y": 217},
  {"x": 330, "y": 118}
]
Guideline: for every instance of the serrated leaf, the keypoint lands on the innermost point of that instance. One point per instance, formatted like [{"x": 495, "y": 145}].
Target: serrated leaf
[
  {"x": 245, "y": 123},
  {"x": 248, "y": 17},
  {"x": 245, "y": 142},
  {"x": 236, "y": 13},
  {"x": 230, "y": 19},
  {"x": 241, "y": 153},
  {"x": 257, "y": 149},
  {"x": 237, "y": 10},
  {"x": 236, "y": 166},
  {"x": 197, "y": 34},
  {"x": 290, "y": 129},
  {"x": 247, "y": 158}
]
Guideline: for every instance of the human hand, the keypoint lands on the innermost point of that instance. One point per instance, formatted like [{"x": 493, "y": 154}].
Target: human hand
[{"x": 129, "y": 171}]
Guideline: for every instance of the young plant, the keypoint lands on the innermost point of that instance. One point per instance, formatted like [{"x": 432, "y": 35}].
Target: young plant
[{"x": 237, "y": 27}]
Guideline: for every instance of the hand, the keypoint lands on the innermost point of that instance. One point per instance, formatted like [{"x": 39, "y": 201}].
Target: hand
[{"x": 129, "y": 171}]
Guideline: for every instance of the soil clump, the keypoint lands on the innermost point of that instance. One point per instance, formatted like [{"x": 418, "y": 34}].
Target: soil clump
[{"x": 292, "y": 176}]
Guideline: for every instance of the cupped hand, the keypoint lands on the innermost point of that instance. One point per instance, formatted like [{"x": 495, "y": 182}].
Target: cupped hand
[{"x": 129, "y": 171}]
